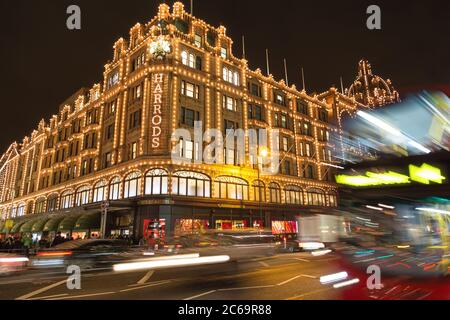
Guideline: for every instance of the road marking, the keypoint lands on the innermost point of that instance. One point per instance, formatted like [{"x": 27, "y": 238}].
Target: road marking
[
  {"x": 34, "y": 293},
  {"x": 146, "y": 286},
  {"x": 146, "y": 277},
  {"x": 308, "y": 276},
  {"x": 300, "y": 259},
  {"x": 290, "y": 280},
  {"x": 94, "y": 275},
  {"x": 307, "y": 294},
  {"x": 247, "y": 288},
  {"x": 48, "y": 297},
  {"x": 200, "y": 295},
  {"x": 264, "y": 264},
  {"x": 84, "y": 296}
]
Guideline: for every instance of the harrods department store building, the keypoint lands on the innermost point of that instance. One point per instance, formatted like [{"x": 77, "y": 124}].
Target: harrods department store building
[{"x": 113, "y": 142}]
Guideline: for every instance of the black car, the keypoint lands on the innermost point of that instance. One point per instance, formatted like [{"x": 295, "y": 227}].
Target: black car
[{"x": 87, "y": 254}]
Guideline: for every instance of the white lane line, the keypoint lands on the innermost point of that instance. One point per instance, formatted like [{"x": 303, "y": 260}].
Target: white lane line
[
  {"x": 49, "y": 297},
  {"x": 300, "y": 259},
  {"x": 308, "y": 276},
  {"x": 200, "y": 295},
  {"x": 264, "y": 264},
  {"x": 146, "y": 277},
  {"x": 146, "y": 286},
  {"x": 247, "y": 288},
  {"x": 34, "y": 293},
  {"x": 84, "y": 296},
  {"x": 289, "y": 280}
]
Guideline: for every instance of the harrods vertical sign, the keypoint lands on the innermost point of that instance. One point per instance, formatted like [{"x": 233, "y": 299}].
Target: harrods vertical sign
[{"x": 157, "y": 114}]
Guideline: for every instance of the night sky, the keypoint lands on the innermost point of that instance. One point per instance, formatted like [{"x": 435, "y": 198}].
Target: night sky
[{"x": 43, "y": 63}]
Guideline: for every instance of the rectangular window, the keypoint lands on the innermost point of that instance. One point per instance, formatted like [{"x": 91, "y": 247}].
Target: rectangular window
[
  {"x": 308, "y": 150},
  {"x": 280, "y": 99},
  {"x": 189, "y": 150},
  {"x": 284, "y": 121},
  {"x": 198, "y": 40},
  {"x": 230, "y": 125},
  {"x": 132, "y": 152},
  {"x": 287, "y": 168},
  {"x": 113, "y": 79},
  {"x": 230, "y": 76},
  {"x": 107, "y": 160},
  {"x": 134, "y": 120},
  {"x": 229, "y": 103},
  {"x": 285, "y": 144},
  {"x": 302, "y": 107},
  {"x": 190, "y": 90},
  {"x": 188, "y": 116},
  {"x": 255, "y": 89},
  {"x": 224, "y": 53}
]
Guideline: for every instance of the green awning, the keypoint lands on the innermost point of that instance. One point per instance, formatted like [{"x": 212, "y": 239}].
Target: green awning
[
  {"x": 68, "y": 223},
  {"x": 52, "y": 224},
  {"x": 16, "y": 227},
  {"x": 88, "y": 222},
  {"x": 39, "y": 225},
  {"x": 26, "y": 227}
]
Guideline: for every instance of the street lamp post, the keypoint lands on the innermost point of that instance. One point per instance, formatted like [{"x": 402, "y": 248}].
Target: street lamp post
[{"x": 263, "y": 153}]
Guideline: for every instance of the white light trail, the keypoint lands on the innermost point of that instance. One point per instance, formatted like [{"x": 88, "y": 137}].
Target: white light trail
[
  {"x": 158, "y": 264},
  {"x": 379, "y": 123},
  {"x": 433, "y": 210},
  {"x": 332, "y": 165},
  {"x": 374, "y": 208},
  {"x": 312, "y": 245},
  {"x": 419, "y": 146},
  {"x": 320, "y": 253},
  {"x": 386, "y": 206},
  {"x": 334, "y": 277},
  {"x": 13, "y": 260},
  {"x": 346, "y": 283}
]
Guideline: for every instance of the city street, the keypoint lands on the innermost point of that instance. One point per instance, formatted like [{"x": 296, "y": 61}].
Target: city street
[{"x": 280, "y": 277}]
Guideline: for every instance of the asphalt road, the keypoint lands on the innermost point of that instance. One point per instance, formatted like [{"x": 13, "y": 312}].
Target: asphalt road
[{"x": 273, "y": 277}]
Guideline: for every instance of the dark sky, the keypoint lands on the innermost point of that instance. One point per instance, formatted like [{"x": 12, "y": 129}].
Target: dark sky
[{"x": 43, "y": 63}]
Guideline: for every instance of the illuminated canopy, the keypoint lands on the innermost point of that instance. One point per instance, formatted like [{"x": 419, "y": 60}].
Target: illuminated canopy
[{"x": 424, "y": 175}]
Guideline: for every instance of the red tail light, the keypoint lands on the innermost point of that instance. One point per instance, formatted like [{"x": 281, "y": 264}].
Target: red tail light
[{"x": 55, "y": 254}]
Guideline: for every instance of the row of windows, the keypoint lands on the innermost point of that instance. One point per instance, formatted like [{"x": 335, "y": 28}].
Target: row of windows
[{"x": 184, "y": 183}]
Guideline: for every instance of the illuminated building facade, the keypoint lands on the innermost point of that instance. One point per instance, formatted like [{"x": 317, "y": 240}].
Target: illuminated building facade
[
  {"x": 112, "y": 143},
  {"x": 370, "y": 89}
]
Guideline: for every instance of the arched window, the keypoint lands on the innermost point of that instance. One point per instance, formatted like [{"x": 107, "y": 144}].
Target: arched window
[
  {"x": 275, "y": 193},
  {"x": 99, "y": 191},
  {"x": 66, "y": 200},
  {"x": 13, "y": 211},
  {"x": 132, "y": 185},
  {"x": 231, "y": 188},
  {"x": 114, "y": 189},
  {"x": 52, "y": 203},
  {"x": 82, "y": 196},
  {"x": 333, "y": 199},
  {"x": 294, "y": 195},
  {"x": 30, "y": 207},
  {"x": 316, "y": 197},
  {"x": 259, "y": 191},
  {"x": 191, "y": 184},
  {"x": 40, "y": 206},
  {"x": 21, "y": 210},
  {"x": 156, "y": 182}
]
